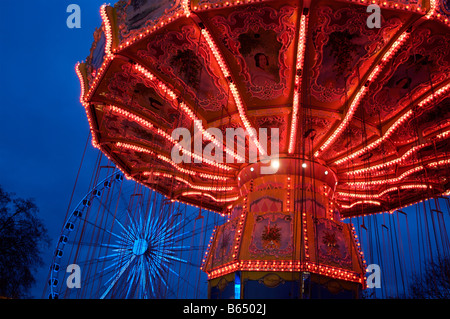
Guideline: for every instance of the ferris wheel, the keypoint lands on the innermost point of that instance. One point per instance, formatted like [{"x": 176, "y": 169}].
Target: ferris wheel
[{"x": 126, "y": 241}]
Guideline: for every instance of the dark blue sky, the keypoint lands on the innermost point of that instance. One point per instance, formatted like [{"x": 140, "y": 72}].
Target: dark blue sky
[{"x": 43, "y": 126}]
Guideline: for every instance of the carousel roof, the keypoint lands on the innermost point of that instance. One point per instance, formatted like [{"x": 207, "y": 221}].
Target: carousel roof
[{"x": 372, "y": 104}]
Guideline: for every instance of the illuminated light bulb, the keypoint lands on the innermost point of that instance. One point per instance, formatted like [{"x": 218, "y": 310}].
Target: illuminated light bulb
[
  {"x": 275, "y": 164},
  {"x": 326, "y": 172},
  {"x": 298, "y": 78},
  {"x": 304, "y": 165}
]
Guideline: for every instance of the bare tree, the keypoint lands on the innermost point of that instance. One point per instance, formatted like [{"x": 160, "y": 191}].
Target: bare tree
[
  {"x": 22, "y": 238},
  {"x": 433, "y": 282}
]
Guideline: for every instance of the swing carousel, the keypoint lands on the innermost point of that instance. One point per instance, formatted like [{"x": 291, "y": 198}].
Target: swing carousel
[{"x": 361, "y": 117}]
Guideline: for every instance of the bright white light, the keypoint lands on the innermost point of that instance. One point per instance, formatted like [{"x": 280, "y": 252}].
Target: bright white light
[
  {"x": 326, "y": 172},
  {"x": 252, "y": 169},
  {"x": 275, "y": 164},
  {"x": 304, "y": 165}
]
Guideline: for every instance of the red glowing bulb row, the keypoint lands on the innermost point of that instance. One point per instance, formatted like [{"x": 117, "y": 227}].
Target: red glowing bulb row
[
  {"x": 381, "y": 194},
  {"x": 164, "y": 90},
  {"x": 215, "y": 51},
  {"x": 108, "y": 55},
  {"x": 443, "y": 134},
  {"x": 344, "y": 122},
  {"x": 361, "y": 202},
  {"x": 439, "y": 163},
  {"x": 356, "y": 100},
  {"x": 208, "y": 248},
  {"x": 233, "y": 89},
  {"x": 185, "y": 108},
  {"x": 186, "y": 7},
  {"x": 99, "y": 75},
  {"x": 107, "y": 30},
  {"x": 434, "y": 95},
  {"x": 330, "y": 212},
  {"x": 387, "y": 164},
  {"x": 168, "y": 137},
  {"x": 397, "y": 123},
  {"x": 398, "y": 160},
  {"x": 218, "y": 200},
  {"x": 169, "y": 161},
  {"x": 386, "y": 4},
  {"x": 298, "y": 81},
  {"x": 239, "y": 230},
  {"x": 358, "y": 248},
  {"x": 286, "y": 266},
  {"x": 128, "y": 177},
  {"x": 82, "y": 83},
  {"x": 189, "y": 172},
  {"x": 207, "y": 6},
  {"x": 376, "y": 143},
  {"x": 135, "y": 148},
  {"x": 392, "y": 4},
  {"x": 305, "y": 236},
  {"x": 182, "y": 11},
  {"x": 191, "y": 185},
  {"x": 397, "y": 179},
  {"x": 400, "y": 207},
  {"x": 86, "y": 105},
  {"x": 386, "y": 181},
  {"x": 395, "y": 46},
  {"x": 433, "y": 7},
  {"x": 288, "y": 194}
]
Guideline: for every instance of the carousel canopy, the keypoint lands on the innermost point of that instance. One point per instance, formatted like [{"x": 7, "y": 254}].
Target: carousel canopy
[{"x": 371, "y": 104}]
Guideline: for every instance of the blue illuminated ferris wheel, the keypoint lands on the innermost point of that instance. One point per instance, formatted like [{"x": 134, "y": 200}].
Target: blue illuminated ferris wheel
[{"x": 128, "y": 241}]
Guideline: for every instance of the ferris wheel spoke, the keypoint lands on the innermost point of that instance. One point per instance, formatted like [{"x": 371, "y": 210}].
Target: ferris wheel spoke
[
  {"x": 187, "y": 248},
  {"x": 114, "y": 255},
  {"x": 98, "y": 259},
  {"x": 87, "y": 244},
  {"x": 105, "y": 272},
  {"x": 101, "y": 228},
  {"x": 183, "y": 279},
  {"x": 149, "y": 219},
  {"x": 98, "y": 277},
  {"x": 131, "y": 281},
  {"x": 157, "y": 225},
  {"x": 117, "y": 277},
  {"x": 154, "y": 274},
  {"x": 164, "y": 238},
  {"x": 143, "y": 281},
  {"x": 134, "y": 228}
]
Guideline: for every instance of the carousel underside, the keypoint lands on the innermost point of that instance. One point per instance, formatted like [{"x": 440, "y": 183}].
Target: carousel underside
[{"x": 362, "y": 116}]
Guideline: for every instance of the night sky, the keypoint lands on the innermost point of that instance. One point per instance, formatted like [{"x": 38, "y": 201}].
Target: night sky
[{"x": 43, "y": 126}]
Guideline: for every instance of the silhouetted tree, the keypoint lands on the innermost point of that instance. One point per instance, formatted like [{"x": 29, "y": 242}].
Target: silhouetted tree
[
  {"x": 22, "y": 238},
  {"x": 433, "y": 282}
]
